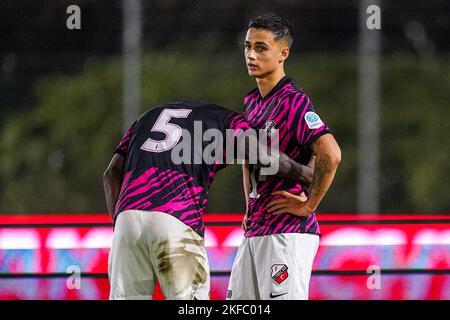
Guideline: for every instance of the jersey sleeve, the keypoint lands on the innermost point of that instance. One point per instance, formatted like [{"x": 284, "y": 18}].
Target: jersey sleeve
[
  {"x": 122, "y": 147},
  {"x": 303, "y": 121},
  {"x": 236, "y": 122}
]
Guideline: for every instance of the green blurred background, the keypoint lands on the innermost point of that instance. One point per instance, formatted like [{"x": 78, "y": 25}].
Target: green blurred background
[{"x": 61, "y": 94}]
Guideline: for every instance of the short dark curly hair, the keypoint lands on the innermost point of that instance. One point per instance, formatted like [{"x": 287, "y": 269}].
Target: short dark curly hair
[{"x": 280, "y": 27}]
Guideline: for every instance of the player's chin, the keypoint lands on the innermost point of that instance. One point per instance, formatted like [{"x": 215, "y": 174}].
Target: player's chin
[
  {"x": 254, "y": 73},
  {"x": 259, "y": 73}
]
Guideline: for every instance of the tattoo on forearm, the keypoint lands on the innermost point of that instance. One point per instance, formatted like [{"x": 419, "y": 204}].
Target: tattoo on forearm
[
  {"x": 321, "y": 169},
  {"x": 300, "y": 170}
]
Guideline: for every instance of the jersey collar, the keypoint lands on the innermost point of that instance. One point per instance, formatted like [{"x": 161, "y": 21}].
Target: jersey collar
[{"x": 283, "y": 81}]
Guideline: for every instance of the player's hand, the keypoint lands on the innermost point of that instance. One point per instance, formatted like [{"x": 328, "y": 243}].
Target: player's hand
[
  {"x": 244, "y": 222},
  {"x": 290, "y": 203}
]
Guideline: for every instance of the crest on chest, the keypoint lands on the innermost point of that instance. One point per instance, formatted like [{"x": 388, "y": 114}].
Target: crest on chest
[{"x": 269, "y": 127}]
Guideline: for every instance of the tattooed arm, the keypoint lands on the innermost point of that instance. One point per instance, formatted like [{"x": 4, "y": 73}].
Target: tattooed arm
[
  {"x": 287, "y": 167},
  {"x": 278, "y": 163},
  {"x": 293, "y": 170},
  {"x": 328, "y": 158}
]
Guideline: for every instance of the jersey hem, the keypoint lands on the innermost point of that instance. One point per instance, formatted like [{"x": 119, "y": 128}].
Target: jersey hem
[{"x": 264, "y": 235}]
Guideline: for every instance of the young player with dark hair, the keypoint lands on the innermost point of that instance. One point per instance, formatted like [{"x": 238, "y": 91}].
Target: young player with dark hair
[{"x": 276, "y": 256}]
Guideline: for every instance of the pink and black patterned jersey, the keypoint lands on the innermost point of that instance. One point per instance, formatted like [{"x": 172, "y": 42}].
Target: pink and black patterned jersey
[
  {"x": 151, "y": 179},
  {"x": 289, "y": 110}
]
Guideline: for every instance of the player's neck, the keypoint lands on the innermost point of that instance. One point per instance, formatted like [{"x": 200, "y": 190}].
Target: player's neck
[{"x": 267, "y": 83}]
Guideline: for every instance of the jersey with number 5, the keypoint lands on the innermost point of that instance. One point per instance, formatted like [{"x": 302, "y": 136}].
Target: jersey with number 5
[{"x": 164, "y": 165}]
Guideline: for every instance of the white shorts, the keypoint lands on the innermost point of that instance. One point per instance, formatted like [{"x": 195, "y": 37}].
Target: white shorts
[
  {"x": 150, "y": 246},
  {"x": 276, "y": 266}
]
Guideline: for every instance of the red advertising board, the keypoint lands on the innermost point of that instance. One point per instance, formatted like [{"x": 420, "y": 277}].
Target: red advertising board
[{"x": 410, "y": 253}]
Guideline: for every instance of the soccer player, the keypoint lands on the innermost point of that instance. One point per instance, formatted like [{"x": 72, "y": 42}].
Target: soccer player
[
  {"x": 156, "y": 203},
  {"x": 275, "y": 259}
]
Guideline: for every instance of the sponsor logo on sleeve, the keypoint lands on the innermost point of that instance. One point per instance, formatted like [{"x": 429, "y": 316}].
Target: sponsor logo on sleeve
[{"x": 313, "y": 120}]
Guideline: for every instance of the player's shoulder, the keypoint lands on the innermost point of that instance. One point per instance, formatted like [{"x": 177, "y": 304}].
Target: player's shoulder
[
  {"x": 292, "y": 89},
  {"x": 251, "y": 93},
  {"x": 208, "y": 111},
  {"x": 199, "y": 106},
  {"x": 296, "y": 95},
  {"x": 155, "y": 111}
]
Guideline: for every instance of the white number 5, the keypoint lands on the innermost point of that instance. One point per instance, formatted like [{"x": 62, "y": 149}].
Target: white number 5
[{"x": 173, "y": 132}]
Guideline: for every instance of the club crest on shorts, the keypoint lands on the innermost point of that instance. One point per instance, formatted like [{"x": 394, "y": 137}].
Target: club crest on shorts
[{"x": 279, "y": 273}]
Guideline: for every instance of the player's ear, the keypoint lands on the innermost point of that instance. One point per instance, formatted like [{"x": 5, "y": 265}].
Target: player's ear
[{"x": 284, "y": 54}]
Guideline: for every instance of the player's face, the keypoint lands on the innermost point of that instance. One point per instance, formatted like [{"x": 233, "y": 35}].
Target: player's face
[{"x": 263, "y": 54}]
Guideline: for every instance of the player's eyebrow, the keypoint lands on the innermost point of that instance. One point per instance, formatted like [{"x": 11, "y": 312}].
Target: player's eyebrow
[{"x": 256, "y": 43}]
